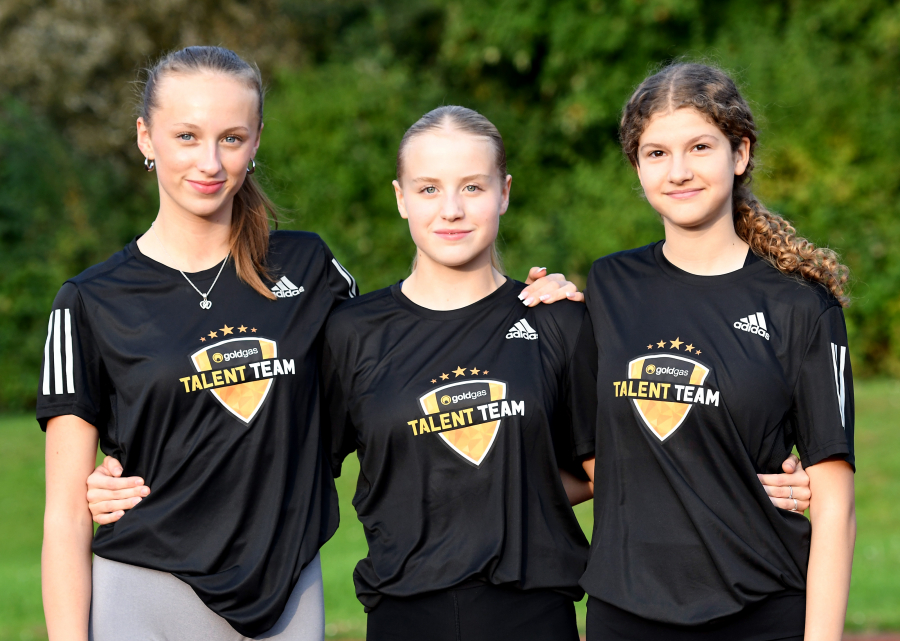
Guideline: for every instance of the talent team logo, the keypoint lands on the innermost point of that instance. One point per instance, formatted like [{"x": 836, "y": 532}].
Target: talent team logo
[
  {"x": 466, "y": 415},
  {"x": 663, "y": 389}
]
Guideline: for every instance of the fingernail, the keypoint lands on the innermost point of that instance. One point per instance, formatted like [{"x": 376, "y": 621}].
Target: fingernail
[
  {"x": 545, "y": 297},
  {"x": 521, "y": 294},
  {"x": 145, "y": 491},
  {"x": 118, "y": 470},
  {"x": 136, "y": 500},
  {"x": 528, "y": 301},
  {"x": 543, "y": 269},
  {"x": 119, "y": 513},
  {"x": 138, "y": 481},
  {"x": 570, "y": 294}
]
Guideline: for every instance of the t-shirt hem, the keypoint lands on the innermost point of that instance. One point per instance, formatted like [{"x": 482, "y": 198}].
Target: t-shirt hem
[
  {"x": 835, "y": 448},
  {"x": 584, "y": 450},
  {"x": 44, "y": 414}
]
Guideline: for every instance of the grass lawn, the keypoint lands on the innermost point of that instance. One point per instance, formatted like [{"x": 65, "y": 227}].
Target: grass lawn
[{"x": 874, "y": 597}]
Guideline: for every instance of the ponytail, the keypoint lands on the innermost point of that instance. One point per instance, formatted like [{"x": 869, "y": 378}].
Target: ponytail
[{"x": 250, "y": 217}]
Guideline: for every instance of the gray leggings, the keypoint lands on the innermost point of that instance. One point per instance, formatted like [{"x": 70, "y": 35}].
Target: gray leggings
[{"x": 137, "y": 604}]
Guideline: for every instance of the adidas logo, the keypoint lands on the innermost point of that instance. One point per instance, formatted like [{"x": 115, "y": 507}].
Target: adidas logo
[
  {"x": 522, "y": 330},
  {"x": 284, "y": 288},
  {"x": 753, "y": 323}
]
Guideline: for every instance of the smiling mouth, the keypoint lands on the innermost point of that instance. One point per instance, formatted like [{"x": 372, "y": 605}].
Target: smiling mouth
[
  {"x": 207, "y": 187},
  {"x": 452, "y": 234},
  {"x": 683, "y": 194}
]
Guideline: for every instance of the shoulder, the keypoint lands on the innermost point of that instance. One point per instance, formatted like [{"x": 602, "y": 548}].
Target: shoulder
[
  {"x": 564, "y": 316},
  {"x": 288, "y": 242},
  {"x": 805, "y": 297},
  {"x": 629, "y": 259},
  {"x": 350, "y": 315},
  {"x": 101, "y": 274}
]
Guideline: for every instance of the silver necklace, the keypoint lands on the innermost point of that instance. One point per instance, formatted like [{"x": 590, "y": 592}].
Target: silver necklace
[{"x": 205, "y": 304}]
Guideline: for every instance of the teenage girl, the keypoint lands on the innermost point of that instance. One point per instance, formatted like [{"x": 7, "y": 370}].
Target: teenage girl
[
  {"x": 734, "y": 351},
  {"x": 460, "y": 404},
  {"x": 192, "y": 355}
]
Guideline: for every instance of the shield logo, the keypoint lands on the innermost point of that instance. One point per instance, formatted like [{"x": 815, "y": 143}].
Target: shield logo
[
  {"x": 242, "y": 398},
  {"x": 656, "y": 402},
  {"x": 475, "y": 441}
]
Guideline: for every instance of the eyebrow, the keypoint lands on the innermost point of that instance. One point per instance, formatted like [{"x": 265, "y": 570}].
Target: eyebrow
[
  {"x": 689, "y": 142},
  {"x": 189, "y": 125},
  {"x": 426, "y": 179}
]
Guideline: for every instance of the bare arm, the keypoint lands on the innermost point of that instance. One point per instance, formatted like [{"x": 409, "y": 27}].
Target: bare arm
[
  {"x": 832, "y": 512},
  {"x": 66, "y": 554},
  {"x": 577, "y": 490}
]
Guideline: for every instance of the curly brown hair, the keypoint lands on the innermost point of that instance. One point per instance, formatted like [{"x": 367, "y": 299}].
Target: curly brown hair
[{"x": 714, "y": 94}]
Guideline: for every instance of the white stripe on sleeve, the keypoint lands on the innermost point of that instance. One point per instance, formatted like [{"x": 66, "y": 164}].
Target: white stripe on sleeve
[
  {"x": 46, "y": 388},
  {"x": 70, "y": 365},
  {"x": 350, "y": 280},
  {"x": 838, "y": 358},
  {"x": 57, "y": 355}
]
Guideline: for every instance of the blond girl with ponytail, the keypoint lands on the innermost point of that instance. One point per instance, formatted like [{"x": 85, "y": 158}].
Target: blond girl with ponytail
[{"x": 721, "y": 348}]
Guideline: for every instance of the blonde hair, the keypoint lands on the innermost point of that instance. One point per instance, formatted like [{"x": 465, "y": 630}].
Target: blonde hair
[
  {"x": 714, "y": 94},
  {"x": 252, "y": 209},
  {"x": 468, "y": 121}
]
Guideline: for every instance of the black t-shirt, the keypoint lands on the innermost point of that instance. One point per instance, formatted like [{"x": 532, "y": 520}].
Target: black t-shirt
[
  {"x": 703, "y": 382},
  {"x": 461, "y": 420},
  {"x": 218, "y": 410}
]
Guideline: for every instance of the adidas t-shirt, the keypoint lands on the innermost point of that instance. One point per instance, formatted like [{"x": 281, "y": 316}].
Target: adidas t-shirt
[
  {"x": 703, "y": 382},
  {"x": 217, "y": 409},
  {"x": 461, "y": 420}
]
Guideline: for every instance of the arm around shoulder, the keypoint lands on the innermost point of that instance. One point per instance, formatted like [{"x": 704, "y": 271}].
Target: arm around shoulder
[{"x": 66, "y": 553}]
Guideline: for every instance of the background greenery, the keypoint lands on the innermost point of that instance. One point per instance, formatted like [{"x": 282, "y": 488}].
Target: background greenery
[
  {"x": 347, "y": 77},
  {"x": 874, "y": 594}
]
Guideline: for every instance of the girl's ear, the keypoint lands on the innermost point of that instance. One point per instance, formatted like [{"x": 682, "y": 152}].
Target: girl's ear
[
  {"x": 143, "y": 139},
  {"x": 507, "y": 186},
  {"x": 742, "y": 156},
  {"x": 401, "y": 203}
]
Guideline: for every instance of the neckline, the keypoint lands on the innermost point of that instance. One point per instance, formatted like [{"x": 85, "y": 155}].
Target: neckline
[
  {"x": 200, "y": 276},
  {"x": 749, "y": 268},
  {"x": 451, "y": 314}
]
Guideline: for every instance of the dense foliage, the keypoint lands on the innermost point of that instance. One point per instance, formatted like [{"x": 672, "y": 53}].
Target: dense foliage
[{"x": 348, "y": 76}]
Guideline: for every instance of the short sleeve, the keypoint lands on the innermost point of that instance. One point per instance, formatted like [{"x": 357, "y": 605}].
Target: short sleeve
[
  {"x": 72, "y": 379},
  {"x": 338, "y": 432},
  {"x": 581, "y": 390},
  {"x": 823, "y": 399},
  {"x": 340, "y": 281}
]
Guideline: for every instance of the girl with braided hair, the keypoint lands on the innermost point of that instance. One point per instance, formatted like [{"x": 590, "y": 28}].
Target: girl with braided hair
[{"x": 720, "y": 349}]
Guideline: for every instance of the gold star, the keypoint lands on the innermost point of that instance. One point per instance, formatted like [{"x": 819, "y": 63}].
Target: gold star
[
  {"x": 434, "y": 380},
  {"x": 688, "y": 348},
  {"x": 202, "y": 340},
  {"x": 444, "y": 377},
  {"x": 676, "y": 343},
  {"x": 212, "y": 335},
  {"x": 459, "y": 371},
  {"x": 253, "y": 329},
  {"x": 661, "y": 344},
  {"x": 475, "y": 371},
  {"x": 650, "y": 346},
  {"x": 697, "y": 352},
  {"x": 484, "y": 372},
  {"x": 227, "y": 330},
  {"x": 242, "y": 329}
]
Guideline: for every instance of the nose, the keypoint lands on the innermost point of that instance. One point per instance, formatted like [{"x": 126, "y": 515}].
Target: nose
[
  {"x": 680, "y": 169},
  {"x": 209, "y": 161},
  {"x": 452, "y": 208}
]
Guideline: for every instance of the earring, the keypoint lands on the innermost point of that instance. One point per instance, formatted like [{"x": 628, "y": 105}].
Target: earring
[
  {"x": 150, "y": 164},
  {"x": 251, "y": 167}
]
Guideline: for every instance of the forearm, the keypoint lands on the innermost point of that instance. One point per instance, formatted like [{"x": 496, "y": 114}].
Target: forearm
[
  {"x": 66, "y": 575},
  {"x": 577, "y": 490},
  {"x": 833, "y": 518}
]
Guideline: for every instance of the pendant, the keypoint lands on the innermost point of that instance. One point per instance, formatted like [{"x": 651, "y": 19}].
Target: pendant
[{"x": 205, "y": 304}]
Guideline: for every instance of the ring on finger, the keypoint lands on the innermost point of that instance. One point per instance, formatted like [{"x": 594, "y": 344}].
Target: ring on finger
[
  {"x": 791, "y": 488},
  {"x": 795, "y": 506}
]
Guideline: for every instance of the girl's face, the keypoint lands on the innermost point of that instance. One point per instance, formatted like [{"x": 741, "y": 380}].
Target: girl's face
[
  {"x": 687, "y": 168},
  {"x": 453, "y": 196},
  {"x": 205, "y": 129}
]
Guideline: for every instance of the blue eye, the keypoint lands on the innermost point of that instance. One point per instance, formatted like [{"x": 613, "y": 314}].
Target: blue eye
[
  {"x": 471, "y": 188},
  {"x": 430, "y": 190},
  {"x": 185, "y": 136},
  {"x": 231, "y": 139}
]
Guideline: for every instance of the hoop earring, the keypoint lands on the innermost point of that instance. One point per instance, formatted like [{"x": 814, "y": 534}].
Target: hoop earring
[
  {"x": 251, "y": 167},
  {"x": 150, "y": 164}
]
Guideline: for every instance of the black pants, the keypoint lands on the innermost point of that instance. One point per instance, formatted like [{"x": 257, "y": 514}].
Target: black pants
[
  {"x": 478, "y": 613},
  {"x": 781, "y": 617}
]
